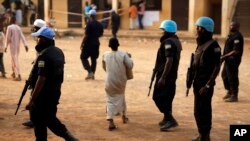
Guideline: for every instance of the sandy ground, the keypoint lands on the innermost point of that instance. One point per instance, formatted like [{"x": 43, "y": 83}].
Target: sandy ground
[{"x": 82, "y": 104}]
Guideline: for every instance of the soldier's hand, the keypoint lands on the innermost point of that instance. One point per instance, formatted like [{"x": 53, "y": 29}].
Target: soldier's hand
[
  {"x": 222, "y": 59},
  {"x": 29, "y": 105},
  {"x": 203, "y": 90},
  {"x": 161, "y": 83},
  {"x": 5, "y": 49}
]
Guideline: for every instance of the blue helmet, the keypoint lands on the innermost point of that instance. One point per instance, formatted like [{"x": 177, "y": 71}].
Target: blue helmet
[
  {"x": 169, "y": 26},
  {"x": 206, "y": 23}
]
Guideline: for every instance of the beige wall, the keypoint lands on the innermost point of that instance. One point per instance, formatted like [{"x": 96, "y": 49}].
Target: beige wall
[
  {"x": 197, "y": 8},
  {"x": 61, "y": 18}
]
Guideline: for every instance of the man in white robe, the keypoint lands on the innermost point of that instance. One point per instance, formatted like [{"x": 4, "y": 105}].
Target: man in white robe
[
  {"x": 116, "y": 63},
  {"x": 14, "y": 35}
]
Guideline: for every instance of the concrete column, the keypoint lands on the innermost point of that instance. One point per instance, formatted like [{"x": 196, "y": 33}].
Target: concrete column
[
  {"x": 46, "y": 10},
  {"x": 197, "y": 8},
  {"x": 227, "y": 8},
  {"x": 115, "y": 5}
]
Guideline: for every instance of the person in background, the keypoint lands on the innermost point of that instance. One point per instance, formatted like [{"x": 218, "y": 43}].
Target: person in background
[
  {"x": 116, "y": 63},
  {"x": 19, "y": 13},
  {"x": 115, "y": 23},
  {"x": 32, "y": 8},
  {"x": 132, "y": 16},
  {"x": 141, "y": 11},
  {"x": 14, "y": 35},
  {"x": 86, "y": 10},
  {"x": 2, "y": 39},
  {"x": 90, "y": 45},
  {"x": 232, "y": 54}
]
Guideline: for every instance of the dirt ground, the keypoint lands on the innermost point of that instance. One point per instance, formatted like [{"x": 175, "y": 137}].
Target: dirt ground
[{"x": 82, "y": 104}]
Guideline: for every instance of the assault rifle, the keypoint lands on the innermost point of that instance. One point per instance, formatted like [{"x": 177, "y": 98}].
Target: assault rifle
[
  {"x": 152, "y": 80},
  {"x": 26, "y": 86},
  {"x": 190, "y": 75}
]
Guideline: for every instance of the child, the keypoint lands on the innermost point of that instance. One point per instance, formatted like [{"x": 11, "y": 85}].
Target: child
[
  {"x": 116, "y": 63},
  {"x": 2, "y": 39}
]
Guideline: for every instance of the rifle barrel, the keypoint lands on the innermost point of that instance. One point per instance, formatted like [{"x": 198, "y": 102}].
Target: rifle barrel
[{"x": 21, "y": 98}]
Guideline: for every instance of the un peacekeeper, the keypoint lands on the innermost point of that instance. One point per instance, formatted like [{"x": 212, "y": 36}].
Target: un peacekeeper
[
  {"x": 90, "y": 45},
  {"x": 232, "y": 54},
  {"x": 206, "y": 67},
  {"x": 49, "y": 69},
  {"x": 38, "y": 23},
  {"x": 166, "y": 70}
]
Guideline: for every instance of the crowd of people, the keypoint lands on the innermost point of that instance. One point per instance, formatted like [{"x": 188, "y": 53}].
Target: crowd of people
[{"x": 48, "y": 71}]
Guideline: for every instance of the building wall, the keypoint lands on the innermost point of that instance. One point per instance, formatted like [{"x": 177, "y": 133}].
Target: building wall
[{"x": 197, "y": 8}]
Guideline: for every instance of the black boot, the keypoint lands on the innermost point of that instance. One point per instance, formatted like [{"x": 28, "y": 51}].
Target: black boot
[
  {"x": 233, "y": 98},
  {"x": 164, "y": 121},
  {"x": 197, "y": 138},
  {"x": 228, "y": 95},
  {"x": 169, "y": 124},
  {"x": 69, "y": 137},
  {"x": 205, "y": 137}
]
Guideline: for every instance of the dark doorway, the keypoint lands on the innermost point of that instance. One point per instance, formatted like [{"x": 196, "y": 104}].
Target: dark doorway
[
  {"x": 40, "y": 9},
  {"x": 179, "y": 13},
  {"x": 216, "y": 16},
  {"x": 75, "y": 6}
]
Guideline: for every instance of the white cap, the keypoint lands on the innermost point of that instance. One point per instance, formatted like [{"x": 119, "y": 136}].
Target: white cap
[
  {"x": 92, "y": 12},
  {"x": 45, "y": 32},
  {"x": 39, "y": 23}
]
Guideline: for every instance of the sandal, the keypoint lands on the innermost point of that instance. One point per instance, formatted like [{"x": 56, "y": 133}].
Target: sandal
[{"x": 124, "y": 119}]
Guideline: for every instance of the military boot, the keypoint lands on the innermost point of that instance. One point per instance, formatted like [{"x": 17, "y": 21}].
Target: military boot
[
  {"x": 197, "y": 138},
  {"x": 205, "y": 137},
  {"x": 90, "y": 76},
  {"x": 233, "y": 98},
  {"x": 69, "y": 137},
  {"x": 228, "y": 95},
  {"x": 163, "y": 121},
  {"x": 202, "y": 137},
  {"x": 169, "y": 124}
]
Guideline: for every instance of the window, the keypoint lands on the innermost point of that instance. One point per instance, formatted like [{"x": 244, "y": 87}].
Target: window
[{"x": 150, "y": 4}]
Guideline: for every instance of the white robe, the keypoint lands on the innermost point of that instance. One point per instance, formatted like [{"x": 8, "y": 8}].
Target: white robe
[
  {"x": 115, "y": 64},
  {"x": 14, "y": 35}
]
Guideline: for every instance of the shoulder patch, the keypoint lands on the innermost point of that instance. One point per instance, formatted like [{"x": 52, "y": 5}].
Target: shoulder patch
[
  {"x": 41, "y": 64},
  {"x": 217, "y": 50},
  {"x": 168, "y": 46},
  {"x": 236, "y": 41}
]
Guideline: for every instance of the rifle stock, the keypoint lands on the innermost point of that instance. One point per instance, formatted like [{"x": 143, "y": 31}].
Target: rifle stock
[{"x": 190, "y": 75}]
